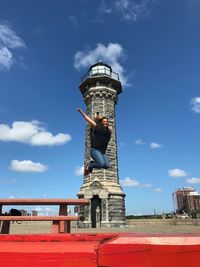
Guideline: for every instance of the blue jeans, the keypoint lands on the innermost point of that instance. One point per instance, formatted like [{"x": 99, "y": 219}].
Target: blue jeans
[{"x": 100, "y": 160}]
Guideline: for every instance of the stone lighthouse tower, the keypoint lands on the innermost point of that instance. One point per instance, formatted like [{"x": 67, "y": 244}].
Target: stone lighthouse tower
[{"x": 100, "y": 88}]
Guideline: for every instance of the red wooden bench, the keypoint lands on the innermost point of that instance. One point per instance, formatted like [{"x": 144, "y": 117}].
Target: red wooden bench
[{"x": 61, "y": 223}]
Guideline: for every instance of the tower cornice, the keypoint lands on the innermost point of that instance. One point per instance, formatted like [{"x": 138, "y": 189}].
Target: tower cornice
[
  {"x": 101, "y": 92},
  {"x": 100, "y": 81}
]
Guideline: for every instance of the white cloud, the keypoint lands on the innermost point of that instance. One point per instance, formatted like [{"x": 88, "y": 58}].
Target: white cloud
[
  {"x": 6, "y": 58},
  {"x": 147, "y": 185},
  {"x": 9, "y": 42},
  {"x": 79, "y": 170},
  {"x": 104, "y": 8},
  {"x": 158, "y": 190},
  {"x": 46, "y": 210},
  {"x": 154, "y": 145},
  {"x": 195, "y": 104},
  {"x": 128, "y": 182},
  {"x": 177, "y": 173},
  {"x": 32, "y": 133},
  {"x": 9, "y": 38},
  {"x": 27, "y": 166},
  {"x": 110, "y": 54},
  {"x": 138, "y": 142},
  {"x": 133, "y": 10},
  {"x": 193, "y": 180},
  {"x": 46, "y": 138},
  {"x": 73, "y": 19}
]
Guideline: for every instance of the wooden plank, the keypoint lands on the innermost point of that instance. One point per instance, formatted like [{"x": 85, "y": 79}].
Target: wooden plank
[
  {"x": 158, "y": 250},
  {"x": 49, "y": 250},
  {"x": 39, "y": 218},
  {"x": 92, "y": 250},
  {"x": 58, "y": 228},
  {"x": 5, "y": 229},
  {"x": 60, "y": 224},
  {"x": 43, "y": 201},
  {"x": 63, "y": 227},
  {"x": 55, "y": 227}
]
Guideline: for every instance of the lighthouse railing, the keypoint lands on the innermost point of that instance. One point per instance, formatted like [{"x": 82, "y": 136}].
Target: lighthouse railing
[{"x": 103, "y": 72}]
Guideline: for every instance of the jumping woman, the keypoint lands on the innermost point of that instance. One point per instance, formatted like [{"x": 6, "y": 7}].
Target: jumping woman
[{"x": 100, "y": 134}]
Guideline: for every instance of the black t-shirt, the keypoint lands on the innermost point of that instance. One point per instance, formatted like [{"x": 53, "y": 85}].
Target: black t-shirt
[{"x": 99, "y": 137}]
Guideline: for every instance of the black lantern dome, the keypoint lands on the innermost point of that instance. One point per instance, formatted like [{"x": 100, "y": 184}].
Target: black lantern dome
[{"x": 103, "y": 74}]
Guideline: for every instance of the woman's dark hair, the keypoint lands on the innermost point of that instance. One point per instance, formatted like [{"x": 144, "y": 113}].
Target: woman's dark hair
[{"x": 101, "y": 119}]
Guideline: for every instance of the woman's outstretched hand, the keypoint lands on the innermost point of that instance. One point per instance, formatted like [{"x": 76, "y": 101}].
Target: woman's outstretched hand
[
  {"x": 80, "y": 111},
  {"x": 86, "y": 117}
]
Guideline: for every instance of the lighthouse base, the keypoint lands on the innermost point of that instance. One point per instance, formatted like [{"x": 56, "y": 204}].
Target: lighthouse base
[{"x": 106, "y": 209}]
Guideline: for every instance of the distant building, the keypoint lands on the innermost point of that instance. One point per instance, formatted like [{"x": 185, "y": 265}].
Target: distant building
[
  {"x": 24, "y": 212},
  {"x": 186, "y": 199},
  {"x": 34, "y": 213},
  {"x": 193, "y": 201}
]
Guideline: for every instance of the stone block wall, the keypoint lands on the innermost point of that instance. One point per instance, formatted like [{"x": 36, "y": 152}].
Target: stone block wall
[{"x": 103, "y": 183}]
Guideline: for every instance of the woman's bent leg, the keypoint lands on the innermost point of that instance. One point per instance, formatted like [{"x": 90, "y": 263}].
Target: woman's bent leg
[
  {"x": 98, "y": 158},
  {"x": 106, "y": 162}
]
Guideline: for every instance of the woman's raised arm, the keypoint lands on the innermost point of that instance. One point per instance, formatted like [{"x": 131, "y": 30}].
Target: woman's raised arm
[{"x": 86, "y": 117}]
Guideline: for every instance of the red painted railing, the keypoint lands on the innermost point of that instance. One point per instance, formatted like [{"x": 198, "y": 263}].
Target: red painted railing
[{"x": 100, "y": 250}]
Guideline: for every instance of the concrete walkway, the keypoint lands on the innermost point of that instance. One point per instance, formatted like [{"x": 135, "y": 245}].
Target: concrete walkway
[{"x": 136, "y": 226}]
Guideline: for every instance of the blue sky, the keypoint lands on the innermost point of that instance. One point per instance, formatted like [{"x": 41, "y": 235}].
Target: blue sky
[{"x": 45, "y": 49}]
